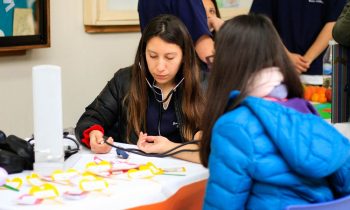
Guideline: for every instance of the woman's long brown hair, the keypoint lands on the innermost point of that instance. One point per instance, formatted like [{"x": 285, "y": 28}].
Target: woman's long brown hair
[
  {"x": 244, "y": 45},
  {"x": 171, "y": 30}
]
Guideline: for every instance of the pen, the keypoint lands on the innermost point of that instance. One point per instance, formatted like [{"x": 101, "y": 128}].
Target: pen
[
  {"x": 3, "y": 175},
  {"x": 10, "y": 188},
  {"x": 173, "y": 174}
]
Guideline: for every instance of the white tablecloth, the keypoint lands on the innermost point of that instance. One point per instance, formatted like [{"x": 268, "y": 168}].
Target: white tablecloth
[{"x": 122, "y": 192}]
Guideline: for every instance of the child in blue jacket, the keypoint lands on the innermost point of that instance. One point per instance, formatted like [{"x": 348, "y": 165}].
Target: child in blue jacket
[{"x": 263, "y": 144}]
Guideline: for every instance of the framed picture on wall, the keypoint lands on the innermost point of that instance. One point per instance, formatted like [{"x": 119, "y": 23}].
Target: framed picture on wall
[
  {"x": 121, "y": 15},
  {"x": 231, "y": 8},
  {"x": 24, "y": 25},
  {"x": 111, "y": 16}
]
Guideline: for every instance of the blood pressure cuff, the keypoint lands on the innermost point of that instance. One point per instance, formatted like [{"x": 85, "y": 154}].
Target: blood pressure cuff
[{"x": 16, "y": 155}]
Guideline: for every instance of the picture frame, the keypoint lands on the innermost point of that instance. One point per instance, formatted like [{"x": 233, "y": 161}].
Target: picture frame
[
  {"x": 104, "y": 16},
  {"x": 18, "y": 37},
  {"x": 101, "y": 16},
  {"x": 232, "y": 8}
]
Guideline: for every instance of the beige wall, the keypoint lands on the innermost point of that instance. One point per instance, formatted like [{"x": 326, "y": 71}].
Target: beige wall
[{"x": 88, "y": 61}]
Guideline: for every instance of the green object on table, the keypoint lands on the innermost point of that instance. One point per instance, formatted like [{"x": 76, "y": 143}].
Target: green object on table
[
  {"x": 10, "y": 187},
  {"x": 324, "y": 109}
]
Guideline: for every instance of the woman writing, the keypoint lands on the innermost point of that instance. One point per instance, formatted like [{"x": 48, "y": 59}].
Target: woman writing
[{"x": 156, "y": 103}]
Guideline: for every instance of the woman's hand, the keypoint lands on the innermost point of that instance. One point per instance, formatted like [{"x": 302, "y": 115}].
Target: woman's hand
[
  {"x": 215, "y": 23},
  {"x": 198, "y": 135},
  {"x": 97, "y": 143},
  {"x": 160, "y": 144},
  {"x": 300, "y": 63},
  {"x": 154, "y": 144}
]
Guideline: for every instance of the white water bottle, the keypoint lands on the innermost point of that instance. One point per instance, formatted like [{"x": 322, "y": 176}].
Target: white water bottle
[{"x": 328, "y": 65}]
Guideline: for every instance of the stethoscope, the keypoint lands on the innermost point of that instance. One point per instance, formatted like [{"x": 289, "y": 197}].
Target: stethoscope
[
  {"x": 122, "y": 151},
  {"x": 159, "y": 94},
  {"x": 156, "y": 93},
  {"x": 169, "y": 94}
]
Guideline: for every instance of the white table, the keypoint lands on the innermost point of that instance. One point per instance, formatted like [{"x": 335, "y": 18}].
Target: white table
[
  {"x": 122, "y": 192},
  {"x": 343, "y": 128}
]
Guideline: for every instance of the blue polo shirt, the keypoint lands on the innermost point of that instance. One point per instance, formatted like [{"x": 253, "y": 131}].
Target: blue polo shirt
[
  {"x": 299, "y": 22},
  {"x": 191, "y": 12}
]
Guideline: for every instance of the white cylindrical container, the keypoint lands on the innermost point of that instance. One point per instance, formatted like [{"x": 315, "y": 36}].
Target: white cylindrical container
[{"x": 47, "y": 113}]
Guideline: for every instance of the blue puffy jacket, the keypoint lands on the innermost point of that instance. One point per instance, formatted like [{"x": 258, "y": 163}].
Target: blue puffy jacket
[{"x": 268, "y": 156}]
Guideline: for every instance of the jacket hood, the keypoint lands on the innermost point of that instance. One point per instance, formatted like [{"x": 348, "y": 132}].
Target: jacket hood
[{"x": 310, "y": 145}]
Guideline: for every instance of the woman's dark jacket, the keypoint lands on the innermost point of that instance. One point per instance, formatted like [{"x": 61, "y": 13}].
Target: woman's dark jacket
[{"x": 110, "y": 111}]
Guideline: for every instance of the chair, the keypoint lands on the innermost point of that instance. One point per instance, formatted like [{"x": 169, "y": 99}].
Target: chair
[{"x": 338, "y": 204}]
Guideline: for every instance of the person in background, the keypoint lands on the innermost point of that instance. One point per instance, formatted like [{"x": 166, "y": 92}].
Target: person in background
[
  {"x": 341, "y": 33},
  {"x": 305, "y": 27},
  {"x": 156, "y": 103},
  {"x": 264, "y": 145},
  {"x": 213, "y": 15},
  {"x": 341, "y": 30},
  {"x": 191, "y": 13}
]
